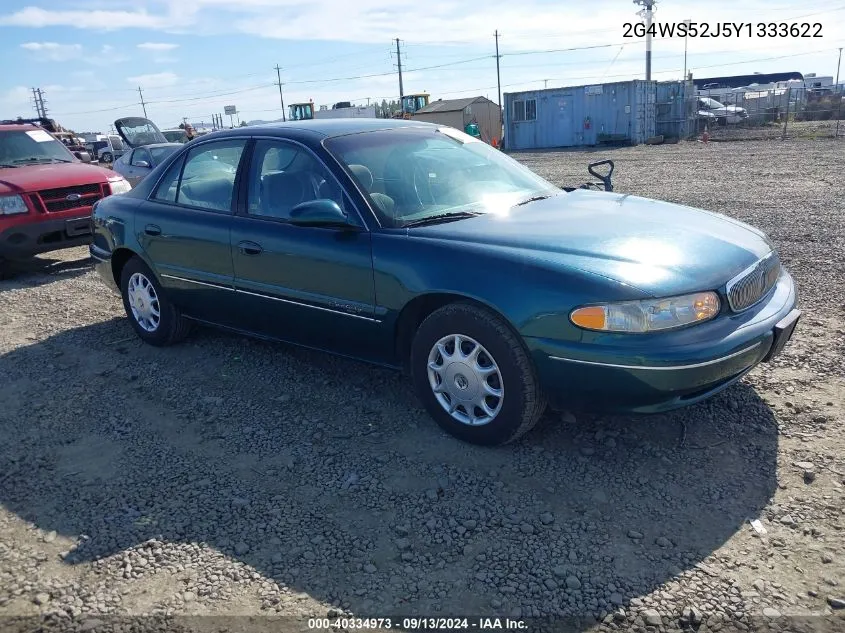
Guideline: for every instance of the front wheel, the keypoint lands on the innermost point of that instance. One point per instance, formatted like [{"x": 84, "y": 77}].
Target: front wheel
[
  {"x": 474, "y": 376},
  {"x": 107, "y": 157},
  {"x": 154, "y": 318}
]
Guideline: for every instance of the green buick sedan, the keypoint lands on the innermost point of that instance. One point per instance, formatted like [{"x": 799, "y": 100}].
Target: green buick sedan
[{"x": 424, "y": 249}]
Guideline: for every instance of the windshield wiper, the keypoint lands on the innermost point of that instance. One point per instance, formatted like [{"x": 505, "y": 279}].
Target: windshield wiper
[
  {"x": 39, "y": 159},
  {"x": 532, "y": 199},
  {"x": 442, "y": 217}
]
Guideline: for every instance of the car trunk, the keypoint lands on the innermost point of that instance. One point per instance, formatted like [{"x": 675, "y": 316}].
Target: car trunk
[{"x": 137, "y": 131}]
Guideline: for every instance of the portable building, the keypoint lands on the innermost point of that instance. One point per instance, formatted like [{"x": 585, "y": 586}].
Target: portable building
[
  {"x": 458, "y": 113},
  {"x": 621, "y": 112}
]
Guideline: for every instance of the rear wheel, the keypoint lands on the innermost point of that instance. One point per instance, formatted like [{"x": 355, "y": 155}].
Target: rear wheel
[
  {"x": 154, "y": 318},
  {"x": 107, "y": 157},
  {"x": 474, "y": 376}
]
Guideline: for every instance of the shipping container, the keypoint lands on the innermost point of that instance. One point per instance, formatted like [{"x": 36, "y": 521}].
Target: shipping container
[{"x": 621, "y": 112}]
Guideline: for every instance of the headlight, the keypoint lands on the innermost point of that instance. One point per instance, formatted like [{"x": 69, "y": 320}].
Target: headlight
[
  {"x": 651, "y": 315},
  {"x": 120, "y": 185},
  {"x": 12, "y": 205}
]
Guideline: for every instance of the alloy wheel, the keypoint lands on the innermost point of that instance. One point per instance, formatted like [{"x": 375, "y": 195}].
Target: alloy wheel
[
  {"x": 143, "y": 301},
  {"x": 465, "y": 379}
]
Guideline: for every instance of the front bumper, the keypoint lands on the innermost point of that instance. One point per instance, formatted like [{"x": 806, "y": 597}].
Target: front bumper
[
  {"x": 103, "y": 266},
  {"x": 685, "y": 367},
  {"x": 34, "y": 237}
]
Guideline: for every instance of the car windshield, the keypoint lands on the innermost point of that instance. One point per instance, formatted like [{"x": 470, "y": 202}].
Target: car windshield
[
  {"x": 19, "y": 147},
  {"x": 160, "y": 153},
  {"x": 175, "y": 136},
  {"x": 427, "y": 175},
  {"x": 712, "y": 104}
]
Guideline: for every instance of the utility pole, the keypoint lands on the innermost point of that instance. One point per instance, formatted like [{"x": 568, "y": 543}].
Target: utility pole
[
  {"x": 143, "y": 105},
  {"x": 399, "y": 63},
  {"x": 281, "y": 96},
  {"x": 499, "y": 82},
  {"x": 647, "y": 13},
  {"x": 38, "y": 98},
  {"x": 838, "y": 92},
  {"x": 686, "y": 37}
]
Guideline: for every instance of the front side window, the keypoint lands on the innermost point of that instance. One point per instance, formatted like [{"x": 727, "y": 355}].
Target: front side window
[
  {"x": 207, "y": 180},
  {"x": 421, "y": 174},
  {"x": 31, "y": 146},
  {"x": 140, "y": 155},
  {"x": 283, "y": 175}
]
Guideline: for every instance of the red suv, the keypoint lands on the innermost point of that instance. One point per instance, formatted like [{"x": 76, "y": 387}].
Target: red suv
[{"x": 46, "y": 193}]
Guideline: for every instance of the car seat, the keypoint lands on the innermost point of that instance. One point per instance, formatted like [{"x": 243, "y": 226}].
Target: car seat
[{"x": 365, "y": 177}]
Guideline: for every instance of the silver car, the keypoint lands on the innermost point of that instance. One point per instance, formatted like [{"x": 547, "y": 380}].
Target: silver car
[{"x": 137, "y": 163}]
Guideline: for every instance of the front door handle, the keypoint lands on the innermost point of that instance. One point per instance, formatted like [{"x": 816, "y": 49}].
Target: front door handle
[
  {"x": 250, "y": 248},
  {"x": 152, "y": 229}
]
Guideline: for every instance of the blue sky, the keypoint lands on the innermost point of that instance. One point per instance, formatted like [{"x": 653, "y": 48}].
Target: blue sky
[{"x": 192, "y": 57}]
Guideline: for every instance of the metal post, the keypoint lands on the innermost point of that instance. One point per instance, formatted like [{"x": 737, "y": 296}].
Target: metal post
[
  {"x": 839, "y": 93},
  {"x": 281, "y": 96},
  {"x": 143, "y": 105},
  {"x": 499, "y": 85},
  {"x": 686, "y": 38},
  {"x": 786, "y": 120},
  {"x": 647, "y": 13}
]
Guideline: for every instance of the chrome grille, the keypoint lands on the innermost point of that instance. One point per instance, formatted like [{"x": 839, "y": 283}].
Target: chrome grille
[{"x": 754, "y": 283}]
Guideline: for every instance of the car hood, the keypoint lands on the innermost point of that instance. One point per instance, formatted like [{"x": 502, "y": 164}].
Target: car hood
[
  {"x": 51, "y": 176},
  {"x": 657, "y": 247}
]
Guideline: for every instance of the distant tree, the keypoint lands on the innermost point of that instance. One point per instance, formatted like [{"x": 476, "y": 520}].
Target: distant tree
[
  {"x": 182, "y": 126},
  {"x": 243, "y": 123}
]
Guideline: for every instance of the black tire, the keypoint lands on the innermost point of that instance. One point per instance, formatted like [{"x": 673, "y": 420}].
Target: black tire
[
  {"x": 523, "y": 401},
  {"x": 107, "y": 157},
  {"x": 172, "y": 327},
  {"x": 722, "y": 121}
]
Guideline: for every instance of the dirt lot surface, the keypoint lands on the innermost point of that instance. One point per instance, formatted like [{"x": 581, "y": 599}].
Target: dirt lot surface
[{"x": 227, "y": 476}]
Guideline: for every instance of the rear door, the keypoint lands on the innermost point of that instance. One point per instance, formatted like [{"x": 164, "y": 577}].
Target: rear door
[
  {"x": 137, "y": 131},
  {"x": 184, "y": 228}
]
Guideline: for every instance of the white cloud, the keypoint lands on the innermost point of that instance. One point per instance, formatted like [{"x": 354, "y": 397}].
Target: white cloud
[
  {"x": 157, "y": 46},
  {"x": 36, "y": 17},
  {"x": 53, "y": 51},
  {"x": 155, "y": 80}
]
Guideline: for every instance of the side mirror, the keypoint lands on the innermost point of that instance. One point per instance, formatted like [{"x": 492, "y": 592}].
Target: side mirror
[
  {"x": 141, "y": 163},
  {"x": 85, "y": 157},
  {"x": 322, "y": 212}
]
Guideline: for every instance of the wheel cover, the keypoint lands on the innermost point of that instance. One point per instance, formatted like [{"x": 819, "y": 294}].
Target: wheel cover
[
  {"x": 465, "y": 380},
  {"x": 143, "y": 301}
]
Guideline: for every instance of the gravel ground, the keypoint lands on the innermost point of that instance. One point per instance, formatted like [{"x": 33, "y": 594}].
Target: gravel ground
[{"x": 230, "y": 477}]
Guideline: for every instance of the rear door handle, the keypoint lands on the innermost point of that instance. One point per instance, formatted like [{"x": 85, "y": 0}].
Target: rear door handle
[
  {"x": 250, "y": 248},
  {"x": 152, "y": 229}
]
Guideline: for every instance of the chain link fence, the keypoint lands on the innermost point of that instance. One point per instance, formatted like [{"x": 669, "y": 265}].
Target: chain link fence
[{"x": 780, "y": 113}]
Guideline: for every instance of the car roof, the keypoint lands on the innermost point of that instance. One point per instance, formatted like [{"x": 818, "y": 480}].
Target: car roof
[
  {"x": 11, "y": 127},
  {"x": 338, "y": 127},
  {"x": 154, "y": 145}
]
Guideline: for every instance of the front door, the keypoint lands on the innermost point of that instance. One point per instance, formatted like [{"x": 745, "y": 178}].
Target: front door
[
  {"x": 307, "y": 285},
  {"x": 185, "y": 229}
]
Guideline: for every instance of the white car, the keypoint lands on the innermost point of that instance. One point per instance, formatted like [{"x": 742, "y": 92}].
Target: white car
[{"x": 711, "y": 110}]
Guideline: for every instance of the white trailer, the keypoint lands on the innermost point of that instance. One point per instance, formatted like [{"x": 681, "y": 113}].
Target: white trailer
[{"x": 355, "y": 112}]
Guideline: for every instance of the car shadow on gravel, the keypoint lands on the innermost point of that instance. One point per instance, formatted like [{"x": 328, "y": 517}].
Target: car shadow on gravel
[
  {"x": 245, "y": 459},
  {"x": 38, "y": 271}
]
